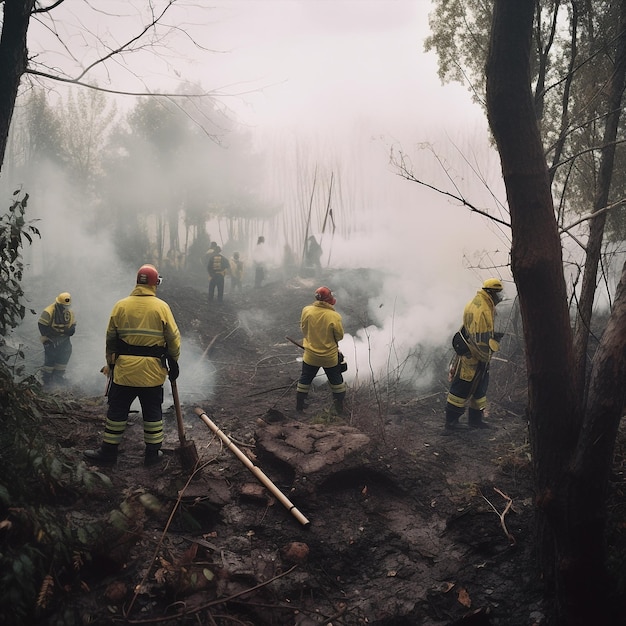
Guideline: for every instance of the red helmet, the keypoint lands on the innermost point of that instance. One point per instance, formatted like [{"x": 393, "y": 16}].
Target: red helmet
[
  {"x": 148, "y": 275},
  {"x": 324, "y": 294}
]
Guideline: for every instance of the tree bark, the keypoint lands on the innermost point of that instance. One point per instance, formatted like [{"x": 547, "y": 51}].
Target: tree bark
[
  {"x": 13, "y": 61},
  {"x": 596, "y": 225},
  {"x": 571, "y": 462}
]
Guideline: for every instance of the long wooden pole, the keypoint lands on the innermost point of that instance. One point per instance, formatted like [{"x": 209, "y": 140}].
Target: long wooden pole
[{"x": 262, "y": 478}]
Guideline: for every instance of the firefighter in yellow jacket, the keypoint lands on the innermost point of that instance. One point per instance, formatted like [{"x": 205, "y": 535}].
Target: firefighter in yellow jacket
[
  {"x": 322, "y": 330},
  {"x": 470, "y": 378},
  {"x": 142, "y": 344},
  {"x": 56, "y": 325}
]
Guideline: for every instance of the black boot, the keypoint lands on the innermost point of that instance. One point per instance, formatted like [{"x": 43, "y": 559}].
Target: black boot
[
  {"x": 153, "y": 454},
  {"x": 300, "y": 398},
  {"x": 106, "y": 454},
  {"x": 475, "y": 419},
  {"x": 338, "y": 399},
  {"x": 452, "y": 417}
]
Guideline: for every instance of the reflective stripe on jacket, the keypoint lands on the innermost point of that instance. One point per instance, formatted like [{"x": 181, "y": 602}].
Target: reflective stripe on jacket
[
  {"x": 141, "y": 319},
  {"x": 55, "y": 320},
  {"x": 218, "y": 265},
  {"x": 322, "y": 330}
]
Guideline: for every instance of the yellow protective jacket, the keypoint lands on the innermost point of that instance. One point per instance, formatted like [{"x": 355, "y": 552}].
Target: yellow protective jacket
[
  {"x": 322, "y": 330},
  {"x": 236, "y": 268},
  {"x": 141, "y": 319},
  {"x": 478, "y": 320},
  {"x": 56, "y": 322}
]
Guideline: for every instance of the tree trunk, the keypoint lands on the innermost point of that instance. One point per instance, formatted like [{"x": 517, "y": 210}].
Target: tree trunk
[
  {"x": 570, "y": 499},
  {"x": 13, "y": 61},
  {"x": 596, "y": 225}
]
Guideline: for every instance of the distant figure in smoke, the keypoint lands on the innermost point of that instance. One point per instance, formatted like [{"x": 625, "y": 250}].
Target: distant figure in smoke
[
  {"x": 474, "y": 344},
  {"x": 210, "y": 252},
  {"x": 259, "y": 258},
  {"x": 313, "y": 256},
  {"x": 142, "y": 341},
  {"x": 290, "y": 267},
  {"x": 218, "y": 267},
  {"x": 322, "y": 329},
  {"x": 236, "y": 273},
  {"x": 56, "y": 325}
]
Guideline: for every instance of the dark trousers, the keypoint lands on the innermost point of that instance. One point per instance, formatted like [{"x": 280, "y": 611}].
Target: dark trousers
[
  {"x": 216, "y": 282},
  {"x": 56, "y": 356},
  {"x": 259, "y": 275},
  {"x": 120, "y": 399},
  {"x": 468, "y": 392},
  {"x": 334, "y": 375}
]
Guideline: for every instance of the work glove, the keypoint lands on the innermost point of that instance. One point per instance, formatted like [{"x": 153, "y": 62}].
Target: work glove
[
  {"x": 69, "y": 331},
  {"x": 498, "y": 336},
  {"x": 174, "y": 370}
]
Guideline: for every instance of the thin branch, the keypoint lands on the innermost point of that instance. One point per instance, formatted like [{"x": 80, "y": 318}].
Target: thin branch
[
  {"x": 216, "y": 602},
  {"x": 502, "y": 515},
  {"x": 75, "y": 81},
  {"x": 590, "y": 216},
  {"x": 46, "y": 9},
  {"x": 407, "y": 174}
]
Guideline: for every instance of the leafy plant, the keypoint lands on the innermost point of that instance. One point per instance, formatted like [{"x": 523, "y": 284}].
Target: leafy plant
[
  {"x": 14, "y": 229},
  {"x": 38, "y": 547}
]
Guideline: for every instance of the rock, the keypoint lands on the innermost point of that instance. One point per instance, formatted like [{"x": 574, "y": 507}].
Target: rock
[
  {"x": 295, "y": 552},
  {"x": 313, "y": 449}
]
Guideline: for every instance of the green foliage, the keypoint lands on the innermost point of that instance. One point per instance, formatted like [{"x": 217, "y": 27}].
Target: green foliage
[
  {"x": 13, "y": 230},
  {"x": 39, "y": 542},
  {"x": 460, "y": 37},
  {"x": 573, "y": 60}
]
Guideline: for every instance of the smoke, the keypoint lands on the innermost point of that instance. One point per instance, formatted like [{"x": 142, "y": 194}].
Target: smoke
[{"x": 425, "y": 253}]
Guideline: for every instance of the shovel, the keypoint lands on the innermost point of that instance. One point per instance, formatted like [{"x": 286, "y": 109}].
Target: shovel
[{"x": 187, "y": 450}]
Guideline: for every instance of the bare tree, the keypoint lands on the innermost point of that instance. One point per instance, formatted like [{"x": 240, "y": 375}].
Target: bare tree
[
  {"x": 572, "y": 434},
  {"x": 13, "y": 61},
  {"x": 150, "y": 36}
]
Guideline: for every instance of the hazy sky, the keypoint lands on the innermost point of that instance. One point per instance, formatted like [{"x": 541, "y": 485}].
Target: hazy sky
[{"x": 328, "y": 62}]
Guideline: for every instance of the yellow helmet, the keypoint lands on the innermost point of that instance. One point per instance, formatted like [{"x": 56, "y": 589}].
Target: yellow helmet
[
  {"x": 494, "y": 284},
  {"x": 64, "y": 299}
]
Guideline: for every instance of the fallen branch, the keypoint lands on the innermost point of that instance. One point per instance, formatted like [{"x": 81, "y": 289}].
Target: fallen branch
[
  {"x": 259, "y": 393},
  {"x": 502, "y": 515},
  {"x": 197, "y": 609},
  {"x": 206, "y": 350},
  {"x": 139, "y": 587}
]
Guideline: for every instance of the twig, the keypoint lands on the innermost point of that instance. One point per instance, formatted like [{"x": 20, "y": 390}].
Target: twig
[
  {"x": 259, "y": 393},
  {"x": 502, "y": 515},
  {"x": 215, "y": 602},
  {"x": 206, "y": 350},
  {"x": 138, "y": 588}
]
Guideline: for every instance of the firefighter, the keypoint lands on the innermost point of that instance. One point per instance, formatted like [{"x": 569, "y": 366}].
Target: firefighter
[
  {"x": 322, "y": 329},
  {"x": 470, "y": 377},
  {"x": 236, "y": 273},
  {"x": 56, "y": 325},
  {"x": 142, "y": 343},
  {"x": 259, "y": 258},
  {"x": 313, "y": 254},
  {"x": 218, "y": 266}
]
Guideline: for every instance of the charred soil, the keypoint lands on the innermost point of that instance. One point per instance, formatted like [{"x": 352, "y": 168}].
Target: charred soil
[{"x": 404, "y": 524}]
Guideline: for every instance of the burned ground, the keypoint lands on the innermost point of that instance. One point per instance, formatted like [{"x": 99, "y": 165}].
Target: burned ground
[{"x": 402, "y": 524}]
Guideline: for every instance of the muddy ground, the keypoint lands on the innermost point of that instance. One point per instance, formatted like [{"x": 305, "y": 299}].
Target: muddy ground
[{"x": 393, "y": 522}]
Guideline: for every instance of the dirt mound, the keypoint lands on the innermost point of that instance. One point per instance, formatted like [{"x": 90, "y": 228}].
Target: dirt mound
[{"x": 405, "y": 524}]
